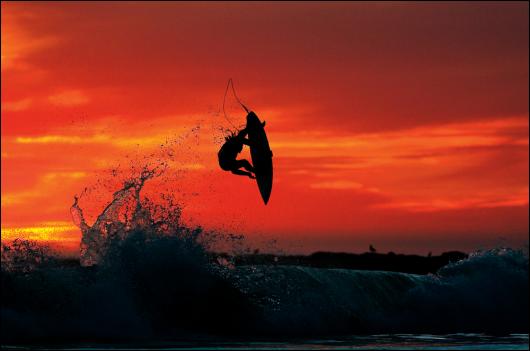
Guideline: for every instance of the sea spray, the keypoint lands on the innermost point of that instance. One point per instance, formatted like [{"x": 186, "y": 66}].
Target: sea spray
[
  {"x": 26, "y": 256},
  {"x": 122, "y": 215}
]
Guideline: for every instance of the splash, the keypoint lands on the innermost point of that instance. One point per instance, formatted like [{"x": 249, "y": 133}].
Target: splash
[
  {"x": 129, "y": 211},
  {"x": 156, "y": 215},
  {"x": 25, "y": 256},
  {"x": 123, "y": 214}
]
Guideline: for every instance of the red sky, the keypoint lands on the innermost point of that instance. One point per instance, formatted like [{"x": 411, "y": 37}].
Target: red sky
[{"x": 402, "y": 125}]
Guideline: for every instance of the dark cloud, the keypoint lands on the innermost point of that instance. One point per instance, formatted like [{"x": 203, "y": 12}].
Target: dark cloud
[{"x": 355, "y": 66}]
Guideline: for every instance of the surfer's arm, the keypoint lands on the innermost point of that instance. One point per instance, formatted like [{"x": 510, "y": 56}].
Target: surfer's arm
[
  {"x": 243, "y": 133},
  {"x": 241, "y": 136}
]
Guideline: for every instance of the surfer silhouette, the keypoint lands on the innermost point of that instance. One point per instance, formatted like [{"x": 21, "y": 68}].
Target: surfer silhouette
[
  {"x": 228, "y": 154},
  {"x": 260, "y": 151}
]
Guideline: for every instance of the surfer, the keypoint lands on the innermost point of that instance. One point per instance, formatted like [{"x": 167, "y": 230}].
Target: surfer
[
  {"x": 228, "y": 154},
  {"x": 232, "y": 147},
  {"x": 261, "y": 167}
]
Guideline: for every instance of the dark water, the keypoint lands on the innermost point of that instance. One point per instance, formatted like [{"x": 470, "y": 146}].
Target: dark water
[
  {"x": 367, "y": 342},
  {"x": 168, "y": 289}
]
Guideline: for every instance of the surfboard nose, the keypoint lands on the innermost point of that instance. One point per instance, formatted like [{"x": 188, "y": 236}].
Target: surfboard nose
[{"x": 252, "y": 116}]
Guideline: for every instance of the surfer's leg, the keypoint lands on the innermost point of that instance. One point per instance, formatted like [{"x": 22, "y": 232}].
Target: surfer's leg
[
  {"x": 243, "y": 173},
  {"x": 245, "y": 164}
]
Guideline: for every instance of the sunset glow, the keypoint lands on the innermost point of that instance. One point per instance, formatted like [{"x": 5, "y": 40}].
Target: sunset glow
[{"x": 402, "y": 125}]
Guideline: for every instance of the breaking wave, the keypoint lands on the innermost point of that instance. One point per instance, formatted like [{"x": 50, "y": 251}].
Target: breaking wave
[{"x": 486, "y": 292}]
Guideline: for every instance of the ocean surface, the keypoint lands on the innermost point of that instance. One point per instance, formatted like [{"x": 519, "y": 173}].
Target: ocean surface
[{"x": 355, "y": 342}]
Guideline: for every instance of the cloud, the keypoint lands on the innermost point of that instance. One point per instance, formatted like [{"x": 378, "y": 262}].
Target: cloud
[
  {"x": 337, "y": 184},
  {"x": 52, "y": 176},
  {"x": 424, "y": 145},
  {"x": 362, "y": 77},
  {"x": 63, "y": 139},
  {"x": 15, "y": 106},
  {"x": 344, "y": 185},
  {"x": 118, "y": 141},
  {"x": 46, "y": 231},
  {"x": 19, "y": 42},
  {"x": 435, "y": 205},
  {"x": 46, "y": 186},
  {"x": 69, "y": 98}
]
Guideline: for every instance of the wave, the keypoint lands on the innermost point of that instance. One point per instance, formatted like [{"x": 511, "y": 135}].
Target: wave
[
  {"x": 170, "y": 288},
  {"x": 485, "y": 293}
]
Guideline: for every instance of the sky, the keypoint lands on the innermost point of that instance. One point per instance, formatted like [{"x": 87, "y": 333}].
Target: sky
[{"x": 402, "y": 125}]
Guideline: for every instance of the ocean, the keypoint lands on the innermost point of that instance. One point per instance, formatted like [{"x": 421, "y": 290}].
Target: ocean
[{"x": 353, "y": 342}]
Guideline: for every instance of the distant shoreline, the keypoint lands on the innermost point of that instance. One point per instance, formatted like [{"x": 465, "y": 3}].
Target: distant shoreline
[
  {"x": 390, "y": 262},
  {"x": 366, "y": 261}
]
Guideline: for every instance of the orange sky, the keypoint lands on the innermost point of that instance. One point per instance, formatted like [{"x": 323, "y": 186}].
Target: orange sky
[{"x": 400, "y": 125}]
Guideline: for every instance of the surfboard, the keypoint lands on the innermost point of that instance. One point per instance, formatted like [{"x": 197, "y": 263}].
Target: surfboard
[{"x": 261, "y": 155}]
